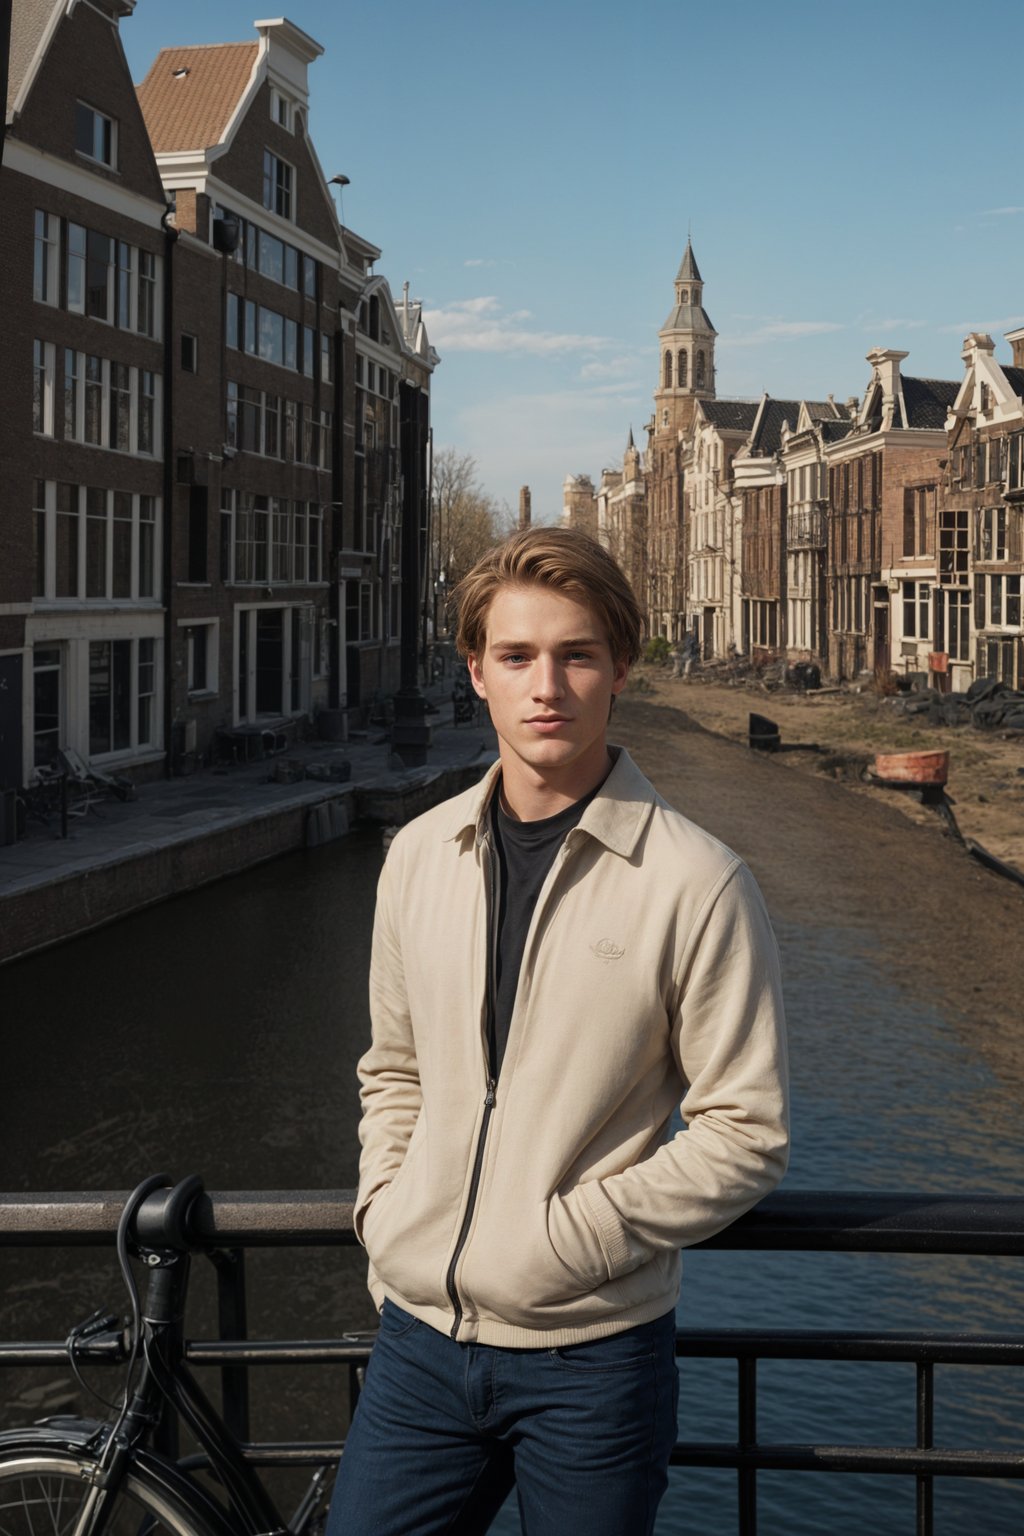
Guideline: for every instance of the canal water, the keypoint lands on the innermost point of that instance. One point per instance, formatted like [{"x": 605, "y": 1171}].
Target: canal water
[{"x": 220, "y": 1032}]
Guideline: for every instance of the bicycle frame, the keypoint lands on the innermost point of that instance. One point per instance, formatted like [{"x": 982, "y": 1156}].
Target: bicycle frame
[{"x": 165, "y": 1380}]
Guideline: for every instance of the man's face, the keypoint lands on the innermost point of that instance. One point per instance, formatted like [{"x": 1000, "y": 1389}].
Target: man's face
[{"x": 548, "y": 676}]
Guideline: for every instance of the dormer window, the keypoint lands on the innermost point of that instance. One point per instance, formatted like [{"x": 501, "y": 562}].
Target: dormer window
[
  {"x": 281, "y": 110},
  {"x": 95, "y": 135}
]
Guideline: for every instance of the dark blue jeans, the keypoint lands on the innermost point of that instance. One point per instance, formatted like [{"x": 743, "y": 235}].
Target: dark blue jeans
[{"x": 443, "y": 1430}]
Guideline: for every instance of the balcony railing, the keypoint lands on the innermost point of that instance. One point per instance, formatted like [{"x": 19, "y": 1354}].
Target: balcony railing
[
  {"x": 794, "y": 1222},
  {"x": 805, "y": 529}
]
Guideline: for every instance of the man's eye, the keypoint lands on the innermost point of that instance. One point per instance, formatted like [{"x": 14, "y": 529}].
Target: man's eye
[
  {"x": 515, "y": 656},
  {"x": 579, "y": 655}
]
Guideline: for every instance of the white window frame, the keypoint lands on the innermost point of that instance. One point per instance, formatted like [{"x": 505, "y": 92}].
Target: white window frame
[
  {"x": 211, "y": 687},
  {"x": 77, "y": 599},
  {"x": 44, "y": 355},
  {"x": 281, "y": 110},
  {"x": 273, "y": 177},
  {"x": 98, "y": 120},
  {"x": 135, "y": 746},
  {"x": 48, "y": 237}
]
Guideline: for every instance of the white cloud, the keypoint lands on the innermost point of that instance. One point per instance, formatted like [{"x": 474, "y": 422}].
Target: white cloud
[
  {"x": 479, "y": 261},
  {"x": 780, "y": 330},
  {"x": 1001, "y": 212},
  {"x": 482, "y": 325},
  {"x": 965, "y": 327}
]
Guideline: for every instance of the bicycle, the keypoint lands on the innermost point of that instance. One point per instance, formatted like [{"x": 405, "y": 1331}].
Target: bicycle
[{"x": 81, "y": 1477}]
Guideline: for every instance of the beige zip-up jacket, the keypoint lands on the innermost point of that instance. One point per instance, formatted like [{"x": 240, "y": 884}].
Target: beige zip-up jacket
[{"x": 551, "y": 1208}]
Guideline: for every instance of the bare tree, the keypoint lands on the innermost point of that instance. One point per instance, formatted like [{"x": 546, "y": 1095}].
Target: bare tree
[{"x": 465, "y": 521}]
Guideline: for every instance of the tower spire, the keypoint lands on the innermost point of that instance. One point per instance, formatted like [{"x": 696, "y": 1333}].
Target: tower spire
[{"x": 687, "y": 351}]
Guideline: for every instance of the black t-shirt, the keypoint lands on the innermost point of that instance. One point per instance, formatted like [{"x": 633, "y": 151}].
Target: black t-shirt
[{"x": 526, "y": 851}]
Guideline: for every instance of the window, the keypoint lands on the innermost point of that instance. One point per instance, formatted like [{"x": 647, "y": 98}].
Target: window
[
  {"x": 681, "y": 369},
  {"x": 110, "y": 696},
  {"x": 76, "y": 268},
  {"x": 271, "y": 336},
  {"x": 147, "y": 306},
  {"x": 281, "y": 541},
  {"x": 96, "y": 519},
  {"x": 120, "y": 407},
  {"x": 277, "y": 185},
  {"x": 668, "y": 371},
  {"x": 308, "y": 350},
  {"x": 146, "y": 699},
  {"x": 99, "y": 276},
  {"x": 125, "y": 284},
  {"x": 93, "y": 415},
  {"x": 148, "y": 435},
  {"x": 270, "y": 252},
  {"x": 998, "y": 602},
  {"x": 46, "y": 261},
  {"x": 918, "y": 514},
  {"x": 39, "y": 521},
  {"x": 42, "y": 387},
  {"x": 94, "y": 543},
  {"x": 198, "y": 498},
  {"x": 699, "y": 371},
  {"x": 201, "y": 656},
  {"x": 190, "y": 353},
  {"x": 280, "y": 109},
  {"x": 953, "y": 548},
  {"x": 46, "y": 703},
  {"x": 95, "y": 135},
  {"x": 231, "y": 416},
  {"x": 309, "y": 276},
  {"x": 121, "y": 552},
  {"x": 917, "y": 610},
  {"x": 991, "y": 543}
]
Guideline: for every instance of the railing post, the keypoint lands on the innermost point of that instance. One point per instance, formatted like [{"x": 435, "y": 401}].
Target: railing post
[
  {"x": 925, "y": 1442},
  {"x": 233, "y": 1323},
  {"x": 747, "y": 1426}
]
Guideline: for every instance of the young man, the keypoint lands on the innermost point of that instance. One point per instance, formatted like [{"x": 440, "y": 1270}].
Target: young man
[{"x": 559, "y": 959}]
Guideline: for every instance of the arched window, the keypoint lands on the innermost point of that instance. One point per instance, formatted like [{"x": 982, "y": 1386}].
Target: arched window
[
  {"x": 698, "y": 372},
  {"x": 668, "y": 370},
  {"x": 681, "y": 369},
  {"x": 684, "y": 297}
]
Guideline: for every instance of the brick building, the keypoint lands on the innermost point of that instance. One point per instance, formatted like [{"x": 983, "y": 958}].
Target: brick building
[
  {"x": 760, "y": 487},
  {"x": 83, "y": 399},
  {"x": 897, "y": 442},
  {"x": 712, "y": 592},
  {"x": 205, "y": 392},
  {"x": 976, "y": 608},
  {"x": 802, "y": 453}
]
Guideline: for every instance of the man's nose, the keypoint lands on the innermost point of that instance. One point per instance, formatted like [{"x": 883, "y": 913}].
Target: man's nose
[{"x": 548, "y": 680}]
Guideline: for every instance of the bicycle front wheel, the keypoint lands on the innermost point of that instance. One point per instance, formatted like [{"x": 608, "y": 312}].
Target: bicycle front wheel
[{"x": 46, "y": 1492}]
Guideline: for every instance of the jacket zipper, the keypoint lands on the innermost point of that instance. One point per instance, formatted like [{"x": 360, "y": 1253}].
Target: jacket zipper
[{"x": 492, "y": 1084}]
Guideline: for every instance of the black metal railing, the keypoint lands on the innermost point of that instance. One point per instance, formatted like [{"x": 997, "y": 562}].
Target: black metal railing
[{"x": 793, "y": 1222}]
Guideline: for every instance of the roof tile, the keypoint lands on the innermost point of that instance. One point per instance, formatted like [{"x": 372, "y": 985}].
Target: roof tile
[{"x": 191, "y": 110}]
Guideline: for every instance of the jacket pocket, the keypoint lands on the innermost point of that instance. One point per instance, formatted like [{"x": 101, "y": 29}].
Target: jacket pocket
[{"x": 575, "y": 1242}]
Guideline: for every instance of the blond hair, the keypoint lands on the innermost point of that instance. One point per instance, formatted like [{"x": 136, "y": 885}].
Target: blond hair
[{"x": 563, "y": 559}]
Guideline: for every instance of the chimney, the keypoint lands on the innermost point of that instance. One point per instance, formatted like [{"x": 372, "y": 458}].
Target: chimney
[
  {"x": 1016, "y": 340},
  {"x": 524, "y": 506}
]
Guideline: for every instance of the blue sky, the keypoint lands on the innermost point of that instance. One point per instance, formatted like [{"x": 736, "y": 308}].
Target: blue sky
[{"x": 851, "y": 174}]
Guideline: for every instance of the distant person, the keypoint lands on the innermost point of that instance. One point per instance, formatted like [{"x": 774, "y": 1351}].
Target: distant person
[{"x": 559, "y": 959}]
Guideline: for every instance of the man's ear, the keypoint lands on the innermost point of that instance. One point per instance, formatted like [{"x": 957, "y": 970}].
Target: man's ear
[{"x": 476, "y": 675}]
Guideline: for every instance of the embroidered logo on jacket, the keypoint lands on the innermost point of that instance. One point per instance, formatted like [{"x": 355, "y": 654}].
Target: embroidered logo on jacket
[{"x": 607, "y": 949}]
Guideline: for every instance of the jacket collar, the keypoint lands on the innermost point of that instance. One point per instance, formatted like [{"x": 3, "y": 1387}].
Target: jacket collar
[{"x": 616, "y": 816}]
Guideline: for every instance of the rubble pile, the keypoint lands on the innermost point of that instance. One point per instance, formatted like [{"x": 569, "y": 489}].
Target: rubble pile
[{"x": 987, "y": 705}]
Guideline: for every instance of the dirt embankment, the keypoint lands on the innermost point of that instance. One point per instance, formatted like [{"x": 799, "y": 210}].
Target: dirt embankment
[
  {"x": 938, "y": 925},
  {"x": 986, "y": 769}
]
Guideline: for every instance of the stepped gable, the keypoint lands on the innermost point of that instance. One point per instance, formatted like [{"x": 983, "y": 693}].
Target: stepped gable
[
  {"x": 926, "y": 402},
  {"x": 192, "y": 110},
  {"x": 731, "y": 415}
]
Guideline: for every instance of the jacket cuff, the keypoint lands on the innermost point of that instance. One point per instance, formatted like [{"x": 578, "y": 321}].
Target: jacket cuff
[{"x": 607, "y": 1223}]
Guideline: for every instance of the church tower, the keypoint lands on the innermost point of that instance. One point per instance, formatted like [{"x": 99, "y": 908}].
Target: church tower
[{"x": 686, "y": 353}]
